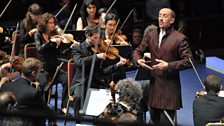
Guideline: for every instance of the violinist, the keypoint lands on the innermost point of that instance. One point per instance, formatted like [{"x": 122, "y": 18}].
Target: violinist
[
  {"x": 28, "y": 25},
  {"x": 108, "y": 35},
  {"x": 83, "y": 54},
  {"x": 88, "y": 14},
  {"x": 209, "y": 108},
  {"x": 129, "y": 94},
  {"x": 48, "y": 51}
]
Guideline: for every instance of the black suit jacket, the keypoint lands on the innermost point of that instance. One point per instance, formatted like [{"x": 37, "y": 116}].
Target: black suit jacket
[
  {"x": 83, "y": 53},
  {"x": 29, "y": 100},
  {"x": 208, "y": 108}
]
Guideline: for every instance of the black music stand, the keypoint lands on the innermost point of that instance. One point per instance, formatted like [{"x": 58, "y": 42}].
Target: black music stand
[
  {"x": 78, "y": 35},
  {"x": 142, "y": 74}
]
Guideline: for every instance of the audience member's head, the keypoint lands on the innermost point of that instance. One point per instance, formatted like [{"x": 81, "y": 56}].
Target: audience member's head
[
  {"x": 6, "y": 98},
  {"x": 213, "y": 83},
  {"x": 129, "y": 91}
]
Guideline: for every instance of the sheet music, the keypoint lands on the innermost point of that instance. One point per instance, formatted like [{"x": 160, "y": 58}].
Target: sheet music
[{"x": 98, "y": 101}]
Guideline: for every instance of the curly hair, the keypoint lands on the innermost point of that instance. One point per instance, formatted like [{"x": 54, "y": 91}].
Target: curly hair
[
  {"x": 42, "y": 23},
  {"x": 129, "y": 91}
]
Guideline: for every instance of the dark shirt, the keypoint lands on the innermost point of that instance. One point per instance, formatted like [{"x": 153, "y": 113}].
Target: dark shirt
[{"x": 47, "y": 53}]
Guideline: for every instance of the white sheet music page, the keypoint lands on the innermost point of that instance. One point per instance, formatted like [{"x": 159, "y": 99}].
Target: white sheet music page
[{"x": 98, "y": 101}]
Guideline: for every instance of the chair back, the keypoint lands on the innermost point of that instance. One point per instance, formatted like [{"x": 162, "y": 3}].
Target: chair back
[
  {"x": 71, "y": 72},
  {"x": 30, "y": 50}
]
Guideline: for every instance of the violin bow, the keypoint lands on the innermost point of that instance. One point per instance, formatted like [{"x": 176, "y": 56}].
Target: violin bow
[
  {"x": 126, "y": 19},
  {"x": 66, "y": 25},
  {"x": 14, "y": 41},
  {"x": 13, "y": 46},
  {"x": 110, "y": 7},
  {"x": 61, "y": 10},
  {"x": 196, "y": 73},
  {"x": 5, "y": 8},
  {"x": 113, "y": 35}
]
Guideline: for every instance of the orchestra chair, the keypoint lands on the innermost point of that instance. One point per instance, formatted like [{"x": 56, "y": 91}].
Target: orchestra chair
[
  {"x": 30, "y": 50},
  {"x": 16, "y": 44},
  {"x": 71, "y": 68}
]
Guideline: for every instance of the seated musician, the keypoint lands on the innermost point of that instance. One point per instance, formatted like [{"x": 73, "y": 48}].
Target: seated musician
[
  {"x": 29, "y": 99},
  {"x": 89, "y": 15},
  {"x": 209, "y": 108},
  {"x": 9, "y": 70},
  {"x": 83, "y": 55},
  {"x": 129, "y": 95},
  {"x": 117, "y": 38},
  {"x": 48, "y": 52}
]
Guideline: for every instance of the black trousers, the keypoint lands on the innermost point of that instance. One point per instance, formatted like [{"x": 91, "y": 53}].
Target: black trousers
[
  {"x": 61, "y": 78},
  {"x": 159, "y": 118}
]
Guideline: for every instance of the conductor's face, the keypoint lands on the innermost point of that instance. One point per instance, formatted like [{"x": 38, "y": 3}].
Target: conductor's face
[{"x": 165, "y": 18}]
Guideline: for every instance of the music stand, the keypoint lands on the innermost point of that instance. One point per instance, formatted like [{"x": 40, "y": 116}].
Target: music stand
[
  {"x": 142, "y": 74},
  {"x": 78, "y": 35}
]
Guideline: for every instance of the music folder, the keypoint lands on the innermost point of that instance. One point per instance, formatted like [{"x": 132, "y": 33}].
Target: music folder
[{"x": 125, "y": 51}]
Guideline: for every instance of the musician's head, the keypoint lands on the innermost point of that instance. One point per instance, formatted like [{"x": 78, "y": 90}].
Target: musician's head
[
  {"x": 92, "y": 34},
  {"x": 31, "y": 68},
  {"x": 89, "y": 8},
  {"x": 34, "y": 12},
  {"x": 47, "y": 23},
  {"x": 213, "y": 83},
  {"x": 111, "y": 20},
  {"x": 129, "y": 91}
]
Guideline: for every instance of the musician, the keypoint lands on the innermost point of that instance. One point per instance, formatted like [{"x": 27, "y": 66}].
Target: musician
[
  {"x": 111, "y": 20},
  {"x": 170, "y": 53},
  {"x": 83, "y": 55},
  {"x": 128, "y": 102},
  {"x": 209, "y": 108},
  {"x": 136, "y": 37},
  {"x": 29, "y": 100},
  {"x": 28, "y": 25},
  {"x": 88, "y": 14},
  {"x": 48, "y": 51},
  {"x": 106, "y": 34}
]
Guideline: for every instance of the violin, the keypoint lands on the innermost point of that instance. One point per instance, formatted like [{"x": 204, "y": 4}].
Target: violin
[
  {"x": 102, "y": 47},
  {"x": 113, "y": 91},
  {"x": 111, "y": 52},
  {"x": 119, "y": 38},
  {"x": 65, "y": 38}
]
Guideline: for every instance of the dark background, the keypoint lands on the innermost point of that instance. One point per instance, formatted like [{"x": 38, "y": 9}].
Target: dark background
[{"x": 201, "y": 20}]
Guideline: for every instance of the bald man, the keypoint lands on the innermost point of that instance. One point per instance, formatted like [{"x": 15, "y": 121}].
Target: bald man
[{"x": 170, "y": 53}]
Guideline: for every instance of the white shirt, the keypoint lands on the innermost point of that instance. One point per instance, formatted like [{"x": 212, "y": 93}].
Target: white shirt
[{"x": 161, "y": 34}]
